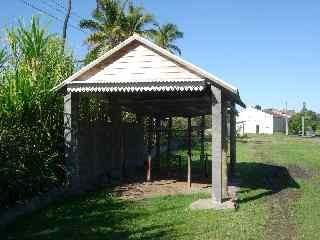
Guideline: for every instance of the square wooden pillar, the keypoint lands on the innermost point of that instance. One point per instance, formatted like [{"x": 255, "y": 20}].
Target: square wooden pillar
[
  {"x": 71, "y": 138},
  {"x": 219, "y": 145},
  {"x": 233, "y": 140}
]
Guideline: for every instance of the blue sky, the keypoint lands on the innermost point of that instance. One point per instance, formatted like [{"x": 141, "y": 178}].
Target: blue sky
[{"x": 270, "y": 50}]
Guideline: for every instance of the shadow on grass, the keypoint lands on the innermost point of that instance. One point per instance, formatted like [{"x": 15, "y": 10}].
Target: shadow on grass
[
  {"x": 260, "y": 176},
  {"x": 92, "y": 216}
]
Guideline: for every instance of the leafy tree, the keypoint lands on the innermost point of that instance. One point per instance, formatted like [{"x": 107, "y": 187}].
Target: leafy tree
[
  {"x": 311, "y": 120},
  {"x": 257, "y": 107},
  {"x": 112, "y": 22},
  {"x": 166, "y": 35},
  {"x": 31, "y": 116}
]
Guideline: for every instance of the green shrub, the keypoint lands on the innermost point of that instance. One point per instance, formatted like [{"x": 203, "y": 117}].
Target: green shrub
[{"x": 31, "y": 116}]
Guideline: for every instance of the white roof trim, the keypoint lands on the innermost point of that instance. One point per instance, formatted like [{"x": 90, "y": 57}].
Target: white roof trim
[
  {"x": 135, "y": 89},
  {"x": 153, "y": 46}
]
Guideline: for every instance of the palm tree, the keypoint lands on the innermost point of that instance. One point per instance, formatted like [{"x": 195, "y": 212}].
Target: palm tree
[
  {"x": 112, "y": 22},
  {"x": 136, "y": 21},
  {"x": 166, "y": 35}
]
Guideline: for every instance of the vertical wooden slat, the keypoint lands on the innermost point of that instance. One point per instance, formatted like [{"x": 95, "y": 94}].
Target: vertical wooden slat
[
  {"x": 158, "y": 125},
  {"x": 116, "y": 138},
  {"x": 189, "y": 152},
  {"x": 122, "y": 153},
  {"x": 233, "y": 140},
  {"x": 169, "y": 142},
  {"x": 202, "y": 155},
  {"x": 206, "y": 166},
  {"x": 149, "y": 161}
]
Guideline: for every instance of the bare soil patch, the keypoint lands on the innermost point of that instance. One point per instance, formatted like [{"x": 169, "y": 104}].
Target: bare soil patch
[
  {"x": 141, "y": 190},
  {"x": 280, "y": 225},
  {"x": 299, "y": 172}
]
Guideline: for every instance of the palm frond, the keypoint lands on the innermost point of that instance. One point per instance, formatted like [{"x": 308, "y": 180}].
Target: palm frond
[
  {"x": 96, "y": 38},
  {"x": 174, "y": 49},
  {"x": 165, "y": 35},
  {"x": 90, "y": 25}
]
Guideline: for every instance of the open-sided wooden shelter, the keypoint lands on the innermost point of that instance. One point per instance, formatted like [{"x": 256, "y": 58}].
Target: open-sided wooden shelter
[{"x": 140, "y": 77}]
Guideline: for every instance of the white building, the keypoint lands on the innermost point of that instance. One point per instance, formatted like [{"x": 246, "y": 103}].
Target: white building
[{"x": 251, "y": 120}]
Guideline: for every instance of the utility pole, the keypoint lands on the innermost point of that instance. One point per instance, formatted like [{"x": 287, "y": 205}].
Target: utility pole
[
  {"x": 97, "y": 5},
  {"x": 302, "y": 125},
  {"x": 65, "y": 24},
  {"x": 286, "y": 119}
]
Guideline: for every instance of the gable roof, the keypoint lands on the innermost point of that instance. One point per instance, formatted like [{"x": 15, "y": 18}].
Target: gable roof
[{"x": 188, "y": 66}]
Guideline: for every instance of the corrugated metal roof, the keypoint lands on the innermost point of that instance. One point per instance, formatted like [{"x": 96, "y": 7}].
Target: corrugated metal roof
[{"x": 82, "y": 86}]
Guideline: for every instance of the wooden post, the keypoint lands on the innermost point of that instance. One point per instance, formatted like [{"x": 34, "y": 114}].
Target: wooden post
[
  {"x": 189, "y": 152},
  {"x": 224, "y": 150},
  {"x": 122, "y": 156},
  {"x": 149, "y": 161},
  {"x": 71, "y": 138},
  {"x": 116, "y": 138},
  {"x": 216, "y": 99},
  {"x": 169, "y": 142},
  {"x": 202, "y": 156},
  {"x": 233, "y": 140},
  {"x": 158, "y": 125}
]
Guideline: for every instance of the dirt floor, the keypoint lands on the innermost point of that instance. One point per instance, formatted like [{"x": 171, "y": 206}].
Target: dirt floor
[{"x": 141, "y": 190}]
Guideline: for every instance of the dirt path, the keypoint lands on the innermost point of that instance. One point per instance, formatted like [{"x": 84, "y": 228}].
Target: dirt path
[{"x": 280, "y": 225}]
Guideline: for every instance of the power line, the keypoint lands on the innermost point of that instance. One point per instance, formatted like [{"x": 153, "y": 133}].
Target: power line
[
  {"x": 54, "y": 7},
  {"x": 28, "y": 4},
  {"x": 63, "y": 7}
]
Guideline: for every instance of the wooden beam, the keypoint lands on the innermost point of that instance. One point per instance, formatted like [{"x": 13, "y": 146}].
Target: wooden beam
[
  {"x": 233, "y": 140},
  {"x": 149, "y": 160},
  {"x": 216, "y": 144},
  {"x": 189, "y": 152},
  {"x": 224, "y": 150},
  {"x": 169, "y": 109}
]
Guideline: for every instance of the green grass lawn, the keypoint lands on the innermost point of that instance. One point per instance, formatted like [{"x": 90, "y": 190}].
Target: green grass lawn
[{"x": 279, "y": 199}]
